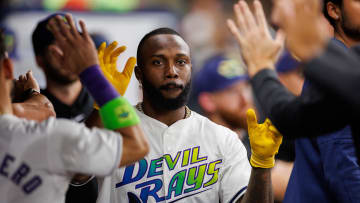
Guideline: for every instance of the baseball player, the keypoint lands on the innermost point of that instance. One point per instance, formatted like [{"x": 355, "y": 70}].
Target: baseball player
[
  {"x": 191, "y": 159},
  {"x": 37, "y": 160}
]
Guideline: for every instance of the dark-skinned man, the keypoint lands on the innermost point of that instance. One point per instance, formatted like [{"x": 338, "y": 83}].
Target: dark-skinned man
[
  {"x": 191, "y": 159},
  {"x": 326, "y": 163}
]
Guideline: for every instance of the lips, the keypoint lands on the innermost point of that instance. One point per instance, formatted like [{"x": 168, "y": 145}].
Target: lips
[{"x": 171, "y": 86}]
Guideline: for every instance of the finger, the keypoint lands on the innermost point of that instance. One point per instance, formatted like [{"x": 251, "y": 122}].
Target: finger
[
  {"x": 113, "y": 58},
  {"x": 234, "y": 30},
  {"x": 260, "y": 16},
  {"x": 71, "y": 23},
  {"x": 115, "y": 54},
  {"x": 22, "y": 78},
  {"x": 101, "y": 53},
  {"x": 54, "y": 28},
  {"x": 85, "y": 33},
  {"x": 108, "y": 51},
  {"x": 129, "y": 67},
  {"x": 251, "y": 119},
  {"x": 250, "y": 22},
  {"x": 29, "y": 75},
  {"x": 240, "y": 19},
  {"x": 102, "y": 48},
  {"x": 64, "y": 28}
]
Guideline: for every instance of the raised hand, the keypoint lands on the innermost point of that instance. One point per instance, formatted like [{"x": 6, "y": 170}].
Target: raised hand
[
  {"x": 258, "y": 49},
  {"x": 302, "y": 22},
  {"x": 79, "y": 49},
  {"x": 265, "y": 141},
  {"x": 108, "y": 57}
]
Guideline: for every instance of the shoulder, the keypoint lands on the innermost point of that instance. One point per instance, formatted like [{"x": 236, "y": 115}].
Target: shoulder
[{"x": 208, "y": 125}]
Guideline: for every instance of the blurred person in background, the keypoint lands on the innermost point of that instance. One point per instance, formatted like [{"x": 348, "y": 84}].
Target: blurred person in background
[
  {"x": 203, "y": 27},
  {"x": 224, "y": 94},
  {"x": 70, "y": 99},
  {"x": 327, "y": 162}
]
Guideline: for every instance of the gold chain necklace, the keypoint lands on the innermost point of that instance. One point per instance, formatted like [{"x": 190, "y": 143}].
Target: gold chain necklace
[{"x": 187, "y": 110}]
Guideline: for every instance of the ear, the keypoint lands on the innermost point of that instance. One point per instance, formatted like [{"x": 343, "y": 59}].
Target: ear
[
  {"x": 206, "y": 102},
  {"x": 8, "y": 69},
  {"x": 138, "y": 74},
  {"x": 333, "y": 11}
]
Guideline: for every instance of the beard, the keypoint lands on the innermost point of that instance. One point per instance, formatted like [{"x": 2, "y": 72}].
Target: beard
[
  {"x": 58, "y": 77},
  {"x": 351, "y": 30},
  {"x": 159, "y": 102}
]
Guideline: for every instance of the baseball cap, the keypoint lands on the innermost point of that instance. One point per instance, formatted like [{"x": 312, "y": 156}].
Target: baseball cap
[
  {"x": 42, "y": 36},
  {"x": 218, "y": 73},
  {"x": 98, "y": 39},
  {"x": 10, "y": 41}
]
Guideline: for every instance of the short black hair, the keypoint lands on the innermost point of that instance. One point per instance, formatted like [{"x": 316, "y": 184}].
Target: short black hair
[
  {"x": 159, "y": 31},
  {"x": 338, "y": 3},
  {"x": 42, "y": 37}
]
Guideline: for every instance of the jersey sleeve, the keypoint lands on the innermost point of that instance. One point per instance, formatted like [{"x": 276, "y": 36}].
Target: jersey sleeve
[
  {"x": 236, "y": 171},
  {"x": 74, "y": 148}
]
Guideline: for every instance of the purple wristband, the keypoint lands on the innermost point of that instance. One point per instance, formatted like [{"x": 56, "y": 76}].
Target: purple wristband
[{"x": 99, "y": 87}]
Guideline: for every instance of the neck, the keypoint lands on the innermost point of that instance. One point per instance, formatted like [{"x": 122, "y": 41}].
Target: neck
[
  {"x": 168, "y": 117},
  {"x": 67, "y": 94},
  {"x": 340, "y": 35}
]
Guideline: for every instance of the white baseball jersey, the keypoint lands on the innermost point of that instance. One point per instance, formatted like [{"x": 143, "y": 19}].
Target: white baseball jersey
[
  {"x": 194, "y": 160},
  {"x": 37, "y": 161}
]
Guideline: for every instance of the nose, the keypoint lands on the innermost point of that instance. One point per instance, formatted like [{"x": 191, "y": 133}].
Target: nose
[{"x": 171, "y": 71}]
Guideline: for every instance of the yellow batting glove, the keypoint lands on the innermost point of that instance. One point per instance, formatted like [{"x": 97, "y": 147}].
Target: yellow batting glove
[
  {"x": 107, "y": 59},
  {"x": 265, "y": 141}
]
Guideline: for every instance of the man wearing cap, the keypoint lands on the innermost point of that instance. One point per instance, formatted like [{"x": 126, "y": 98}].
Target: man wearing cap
[
  {"x": 224, "y": 94},
  {"x": 69, "y": 98}
]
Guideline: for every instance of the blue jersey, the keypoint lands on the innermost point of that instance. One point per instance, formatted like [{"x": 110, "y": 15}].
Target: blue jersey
[{"x": 325, "y": 168}]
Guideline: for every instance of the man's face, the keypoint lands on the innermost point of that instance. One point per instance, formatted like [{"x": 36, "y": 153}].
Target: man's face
[
  {"x": 167, "y": 71},
  {"x": 232, "y": 104},
  {"x": 54, "y": 69},
  {"x": 350, "y": 19}
]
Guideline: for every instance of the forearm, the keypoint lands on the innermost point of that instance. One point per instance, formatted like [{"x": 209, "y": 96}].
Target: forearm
[
  {"x": 259, "y": 188},
  {"x": 308, "y": 115},
  {"x": 37, "y": 107}
]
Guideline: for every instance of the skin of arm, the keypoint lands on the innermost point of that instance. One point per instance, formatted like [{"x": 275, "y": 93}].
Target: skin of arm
[
  {"x": 260, "y": 180},
  {"x": 37, "y": 107}
]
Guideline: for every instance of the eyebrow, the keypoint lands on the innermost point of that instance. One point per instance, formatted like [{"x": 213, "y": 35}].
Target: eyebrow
[{"x": 162, "y": 56}]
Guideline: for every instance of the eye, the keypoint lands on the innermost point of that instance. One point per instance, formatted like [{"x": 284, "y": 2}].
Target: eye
[
  {"x": 181, "y": 62},
  {"x": 156, "y": 62}
]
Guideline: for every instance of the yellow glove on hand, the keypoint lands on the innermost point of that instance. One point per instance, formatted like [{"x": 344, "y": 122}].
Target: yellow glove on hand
[
  {"x": 107, "y": 59},
  {"x": 265, "y": 141}
]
